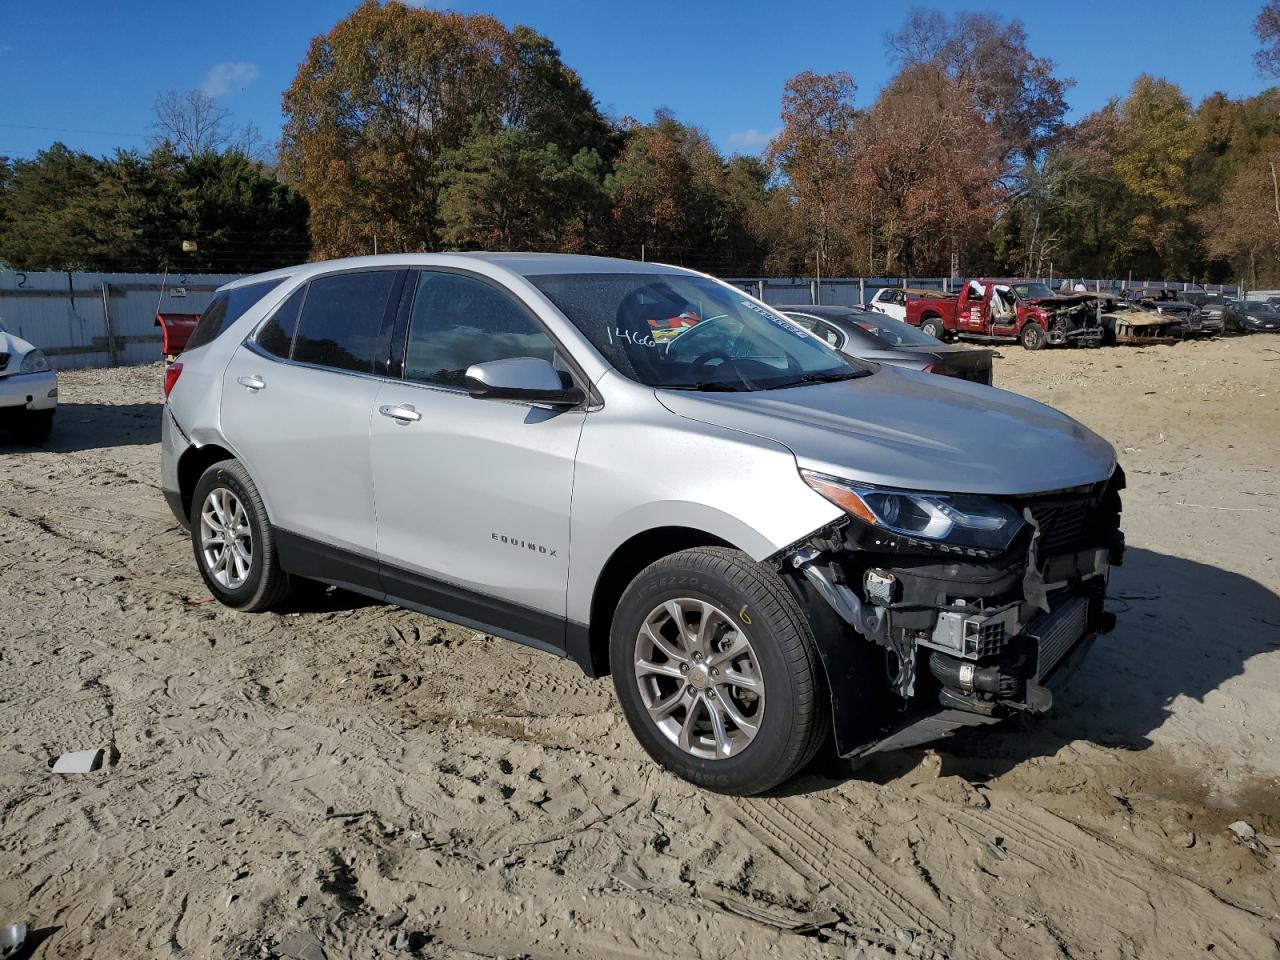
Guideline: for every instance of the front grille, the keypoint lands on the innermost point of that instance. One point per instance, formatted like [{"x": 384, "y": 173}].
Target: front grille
[{"x": 1062, "y": 524}]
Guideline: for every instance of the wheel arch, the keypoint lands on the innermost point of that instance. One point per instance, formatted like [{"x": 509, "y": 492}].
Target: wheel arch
[
  {"x": 591, "y": 649},
  {"x": 191, "y": 467}
]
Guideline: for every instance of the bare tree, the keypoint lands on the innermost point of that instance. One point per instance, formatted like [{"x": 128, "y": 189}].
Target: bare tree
[
  {"x": 1267, "y": 29},
  {"x": 194, "y": 123}
]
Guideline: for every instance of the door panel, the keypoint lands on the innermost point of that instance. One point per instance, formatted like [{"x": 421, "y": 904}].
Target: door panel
[
  {"x": 475, "y": 493},
  {"x": 296, "y": 404},
  {"x": 304, "y": 438},
  {"x": 971, "y": 313}
]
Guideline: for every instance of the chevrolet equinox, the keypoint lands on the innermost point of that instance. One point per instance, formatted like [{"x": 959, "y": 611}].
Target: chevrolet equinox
[{"x": 767, "y": 543}]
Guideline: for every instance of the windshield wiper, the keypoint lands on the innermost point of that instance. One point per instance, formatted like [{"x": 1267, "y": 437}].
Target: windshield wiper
[
  {"x": 702, "y": 386},
  {"x": 821, "y": 378}
]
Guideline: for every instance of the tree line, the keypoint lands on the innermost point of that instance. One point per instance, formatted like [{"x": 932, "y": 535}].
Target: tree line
[{"x": 409, "y": 128}]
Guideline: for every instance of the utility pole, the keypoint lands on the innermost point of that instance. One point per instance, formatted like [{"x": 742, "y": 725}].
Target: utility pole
[
  {"x": 817, "y": 287},
  {"x": 375, "y": 244}
]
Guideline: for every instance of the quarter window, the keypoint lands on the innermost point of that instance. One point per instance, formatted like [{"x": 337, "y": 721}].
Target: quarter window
[
  {"x": 458, "y": 321},
  {"x": 276, "y": 335},
  {"x": 226, "y": 308},
  {"x": 827, "y": 333},
  {"x": 342, "y": 321}
]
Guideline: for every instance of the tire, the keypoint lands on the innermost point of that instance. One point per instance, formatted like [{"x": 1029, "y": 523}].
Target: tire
[
  {"x": 226, "y": 496},
  {"x": 1032, "y": 336},
  {"x": 934, "y": 328},
  {"x": 749, "y": 610},
  {"x": 32, "y": 426}
]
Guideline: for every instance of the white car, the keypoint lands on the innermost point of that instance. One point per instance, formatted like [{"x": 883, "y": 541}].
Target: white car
[
  {"x": 28, "y": 389},
  {"x": 891, "y": 301}
]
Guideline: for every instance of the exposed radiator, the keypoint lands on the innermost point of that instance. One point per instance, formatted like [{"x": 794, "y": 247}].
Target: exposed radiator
[{"x": 1057, "y": 632}]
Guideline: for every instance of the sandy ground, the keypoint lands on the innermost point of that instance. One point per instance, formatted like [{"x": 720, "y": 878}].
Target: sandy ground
[{"x": 344, "y": 779}]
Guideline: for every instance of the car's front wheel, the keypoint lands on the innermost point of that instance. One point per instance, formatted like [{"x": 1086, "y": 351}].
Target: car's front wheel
[
  {"x": 234, "y": 545},
  {"x": 717, "y": 671},
  {"x": 1033, "y": 336}
]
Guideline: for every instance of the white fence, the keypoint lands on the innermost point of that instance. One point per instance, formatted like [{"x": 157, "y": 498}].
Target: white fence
[{"x": 99, "y": 319}]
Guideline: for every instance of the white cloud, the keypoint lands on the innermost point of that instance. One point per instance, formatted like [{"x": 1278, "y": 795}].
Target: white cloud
[
  {"x": 750, "y": 141},
  {"x": 225, "y": 77}
]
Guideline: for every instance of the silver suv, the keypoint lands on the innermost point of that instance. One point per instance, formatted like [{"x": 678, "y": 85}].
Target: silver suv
[{"x": 766, "y": 542}]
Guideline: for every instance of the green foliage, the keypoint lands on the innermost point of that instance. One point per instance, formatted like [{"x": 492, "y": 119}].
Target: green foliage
[
  {"x": 508, "y": 191},
  {"x": 65, "y": 210}
]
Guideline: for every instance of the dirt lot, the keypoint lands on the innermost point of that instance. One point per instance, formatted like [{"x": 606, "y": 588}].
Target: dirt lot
[{"x": 344, "y": 779}]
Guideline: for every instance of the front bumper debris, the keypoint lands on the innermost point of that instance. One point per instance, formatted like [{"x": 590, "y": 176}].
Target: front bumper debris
[{"x": 916, "y": 645}]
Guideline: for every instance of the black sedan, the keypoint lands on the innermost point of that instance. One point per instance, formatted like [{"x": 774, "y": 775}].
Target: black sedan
[
  {"x": 873, "y": 336},
  {"x": 1251, "y": 316}
]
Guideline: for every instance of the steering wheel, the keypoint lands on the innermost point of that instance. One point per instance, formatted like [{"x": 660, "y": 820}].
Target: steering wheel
[{"x": 702, "y": 359}]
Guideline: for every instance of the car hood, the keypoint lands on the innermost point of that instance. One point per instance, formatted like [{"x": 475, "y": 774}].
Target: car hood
[
  {"x": 1062, "y": 300},
  {"x": 913, "y": 430}
]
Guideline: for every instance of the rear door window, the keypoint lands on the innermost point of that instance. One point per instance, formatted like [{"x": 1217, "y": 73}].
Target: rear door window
[
  {"x": 343, "y": 323},
  {"x": 226, "y": 308}
]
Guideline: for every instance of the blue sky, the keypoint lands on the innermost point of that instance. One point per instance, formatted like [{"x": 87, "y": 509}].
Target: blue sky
[{"x": 87, "y": 73}]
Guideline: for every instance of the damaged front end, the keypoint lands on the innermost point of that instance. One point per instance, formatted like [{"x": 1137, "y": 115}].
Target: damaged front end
[
  {"x": 1071, "y": 321},
  {"x": 935, "y": 612}
]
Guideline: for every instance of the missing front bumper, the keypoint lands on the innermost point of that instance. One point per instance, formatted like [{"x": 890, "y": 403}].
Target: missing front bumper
[{"x": 1057, "y": 660}]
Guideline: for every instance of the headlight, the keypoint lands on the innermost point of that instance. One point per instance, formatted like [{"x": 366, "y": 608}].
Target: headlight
[
  {"x": 955, "y": 523},
  {"x": 34, "y": 362}
]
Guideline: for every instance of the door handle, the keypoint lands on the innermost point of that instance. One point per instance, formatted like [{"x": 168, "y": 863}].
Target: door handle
[
  {"x": 403, "y": 414},
  {"x": 252, "y": 384}
]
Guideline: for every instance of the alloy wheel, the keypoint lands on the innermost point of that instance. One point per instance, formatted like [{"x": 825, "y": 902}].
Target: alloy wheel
[
  {"x": 699, "y": 678},
  {"x": 226, "y": 539}
]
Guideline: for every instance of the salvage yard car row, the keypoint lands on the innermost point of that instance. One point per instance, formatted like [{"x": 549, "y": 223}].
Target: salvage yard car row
[{"x": 1029, "y": 312}]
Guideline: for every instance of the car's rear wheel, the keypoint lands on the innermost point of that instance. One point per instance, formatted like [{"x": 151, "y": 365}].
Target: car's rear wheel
[
  {"x": 717, "y": 671},
  {"x": 233, "y": 542},
  {"x": 1033, "y": 335},
  {"x": 934, "y": 328},
  {"x": 32, "y": 426}
]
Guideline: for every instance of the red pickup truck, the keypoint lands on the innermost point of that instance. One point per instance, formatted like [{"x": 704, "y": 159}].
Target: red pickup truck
[{"x": 1007, "y": 310}]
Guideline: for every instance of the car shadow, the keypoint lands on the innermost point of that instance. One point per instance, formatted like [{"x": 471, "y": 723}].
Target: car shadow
[
  {"x": 92, "y": 426},
  {"x": 1183, "y": 630}
]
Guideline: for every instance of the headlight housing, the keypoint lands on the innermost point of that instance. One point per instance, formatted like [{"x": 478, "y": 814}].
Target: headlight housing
[
  {"x": 34, "y": 362},
  {"x": 949, "y": 523}
]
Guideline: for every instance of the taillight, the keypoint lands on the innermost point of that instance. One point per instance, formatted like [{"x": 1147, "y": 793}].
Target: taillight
[
  {"x": 171, "y": 374},
  {"x": 936, "y": 368}
]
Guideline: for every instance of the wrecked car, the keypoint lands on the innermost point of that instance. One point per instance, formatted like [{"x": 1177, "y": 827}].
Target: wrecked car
[
  {"x": 1027, "y": 311},
  {"x": 1187, "y": 320},
  {"x": 1128, "y": 324},
  {"x": 765, "y": 541}
]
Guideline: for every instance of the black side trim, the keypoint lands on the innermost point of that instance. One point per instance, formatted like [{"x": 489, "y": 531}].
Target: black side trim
[
  {"x": 319, "y": 561},
  {"x": 460, "y": 605},
  {"x": 577, "y": 644}
]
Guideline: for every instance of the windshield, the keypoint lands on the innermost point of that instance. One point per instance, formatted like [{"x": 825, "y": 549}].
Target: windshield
[
  {"x": 893, "y": 333},
  {"x": 1031, "y": 291},
  {"x": 691, "y": 333},
  {"x": 1264, "y": 310}
]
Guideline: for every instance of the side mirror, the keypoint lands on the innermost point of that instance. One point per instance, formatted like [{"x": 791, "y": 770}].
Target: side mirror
[{"x": 527, "y": 379}]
